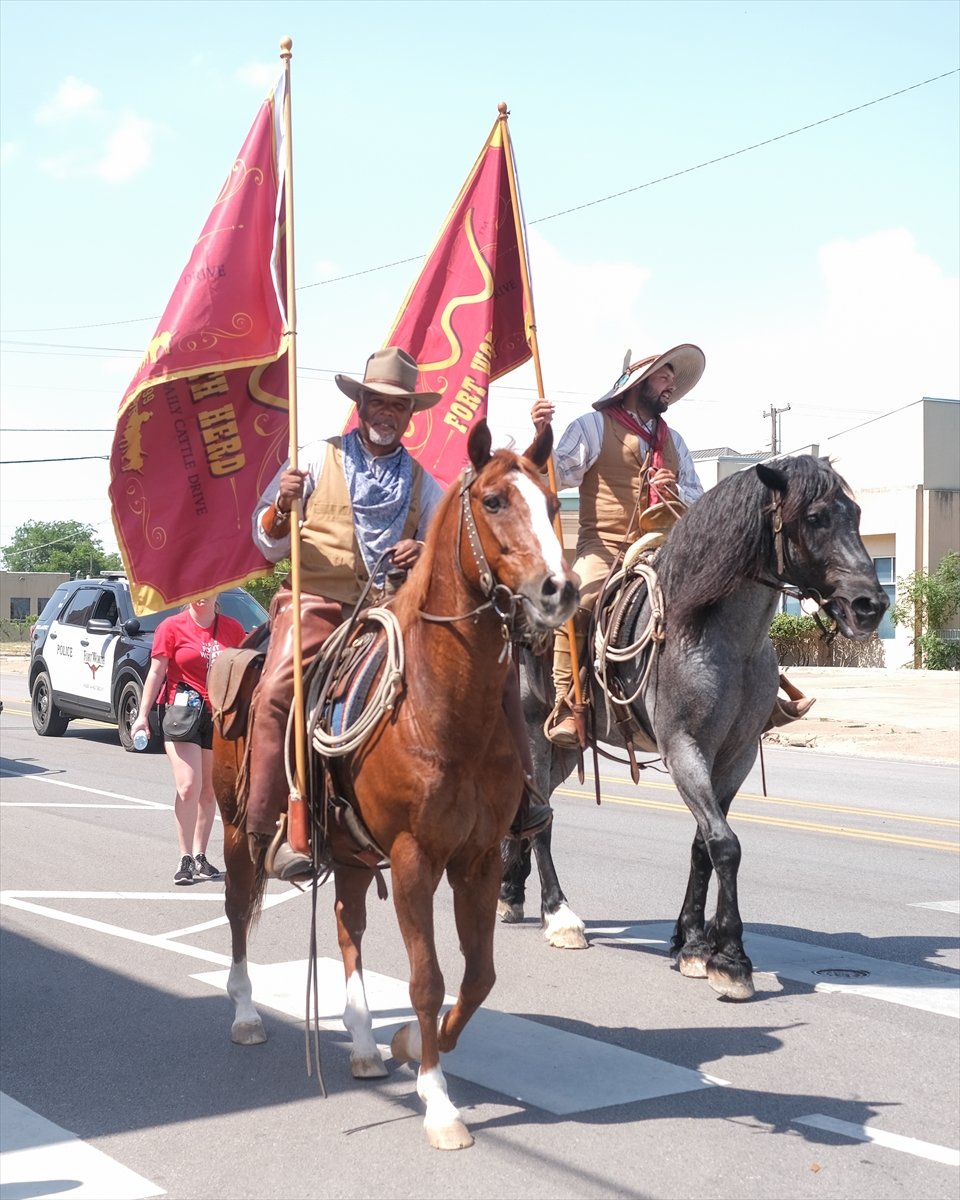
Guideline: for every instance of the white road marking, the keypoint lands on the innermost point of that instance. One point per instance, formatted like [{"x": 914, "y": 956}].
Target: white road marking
[
  {"x": 950, "y": 906},
  {"x": 39, "y": 1159},
  {"x": 76, "y": 787},
  {"x": 892, "y": 1141},
  {"x": 536, "y": 1064},
  {"x": 895, "y": 983}
]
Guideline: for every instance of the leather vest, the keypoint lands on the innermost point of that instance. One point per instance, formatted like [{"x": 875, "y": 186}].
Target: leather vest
[
  {"x": 615, "y": 490},
  {"x": 331, "y": 563}
]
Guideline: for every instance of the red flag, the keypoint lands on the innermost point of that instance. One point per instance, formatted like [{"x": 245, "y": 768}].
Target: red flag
[
  {"x": 466, "y": 320},
  {"x": 203, "y": 426}
]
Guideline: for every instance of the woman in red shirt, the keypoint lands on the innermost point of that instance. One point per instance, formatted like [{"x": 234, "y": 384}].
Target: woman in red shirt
[{"x": 184, "y": 646}]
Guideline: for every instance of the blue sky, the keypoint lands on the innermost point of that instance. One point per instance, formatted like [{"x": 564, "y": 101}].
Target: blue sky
[{"x": 819, "y": 271}]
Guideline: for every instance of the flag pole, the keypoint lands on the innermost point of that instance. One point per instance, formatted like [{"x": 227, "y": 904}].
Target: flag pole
[
  {"x": 535, "y": 351},
  {"x": 298, "y": 833}
]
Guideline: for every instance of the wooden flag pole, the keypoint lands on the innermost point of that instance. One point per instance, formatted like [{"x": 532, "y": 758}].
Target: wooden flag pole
[
  {"x": 298, "y": 830},
  {"x": 535, "y": 351}
]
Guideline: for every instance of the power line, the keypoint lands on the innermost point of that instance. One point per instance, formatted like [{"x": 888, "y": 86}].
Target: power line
[
  {"x": 16, "y": 462},
  {"x": 565, "y": 211}
]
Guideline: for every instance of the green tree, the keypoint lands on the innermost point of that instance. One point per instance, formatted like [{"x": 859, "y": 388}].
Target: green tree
[
  {"x": 928, "y": 603},
  {"x": 265, "y": 587},
  {"x": 58, "y": 546}
]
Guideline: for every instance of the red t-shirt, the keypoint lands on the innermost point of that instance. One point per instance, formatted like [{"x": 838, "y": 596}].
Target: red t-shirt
[{"x": 190, "y": 650}]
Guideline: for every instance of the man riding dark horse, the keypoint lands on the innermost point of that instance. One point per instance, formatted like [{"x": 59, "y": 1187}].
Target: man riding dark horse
[
  {"x": 635, "y": 477},
  {"x": 364, "y": 494}
]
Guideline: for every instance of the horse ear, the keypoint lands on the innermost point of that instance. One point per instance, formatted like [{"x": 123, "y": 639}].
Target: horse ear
[
  {"x": 478, "y": 445},
  {"x": 772, "y": 477},
  {"x": 539, "y": 449}
]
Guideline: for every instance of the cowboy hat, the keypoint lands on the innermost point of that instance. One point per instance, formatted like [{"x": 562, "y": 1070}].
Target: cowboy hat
[
  {"x": 389, "y": 372},
  {"x": 687, "y": 362}
]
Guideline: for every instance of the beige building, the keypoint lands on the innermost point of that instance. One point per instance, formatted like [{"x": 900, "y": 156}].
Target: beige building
[
  {"x": 904, "y": 468},
  {"x": 24, "y": 593}
]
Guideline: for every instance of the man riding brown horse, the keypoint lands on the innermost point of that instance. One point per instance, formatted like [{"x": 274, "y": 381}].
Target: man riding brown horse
[{"x": 363, "y": 494}]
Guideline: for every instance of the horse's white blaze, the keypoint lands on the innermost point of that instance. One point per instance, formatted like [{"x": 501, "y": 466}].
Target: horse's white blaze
[
  {"x": 357, "y": 1019},
  {"x": 542, "y": 527}
]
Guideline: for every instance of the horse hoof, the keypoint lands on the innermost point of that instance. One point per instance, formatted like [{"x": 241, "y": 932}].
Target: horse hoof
[
  {"x": 452, "y": 1135},
  {"x": 731, "y": 987},
  {"x": 509, "y": 914},
  {"x": 405, "y": 1046},
  {"x": 564, "y": 930},
  {"x": 248, "y": 1033},
  {"x": 566, "y": 939},
  {"x": 367, "y": 1066},
  {"x": 691, "y": 966}
]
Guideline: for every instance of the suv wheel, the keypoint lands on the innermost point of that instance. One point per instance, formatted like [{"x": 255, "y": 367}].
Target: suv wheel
[
  {"x": 48, "y": 720},
  {"x": 127, "y": 710}
]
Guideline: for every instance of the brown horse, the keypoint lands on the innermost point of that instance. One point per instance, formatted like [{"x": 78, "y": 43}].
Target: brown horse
[{"x": 437, "y": 782}]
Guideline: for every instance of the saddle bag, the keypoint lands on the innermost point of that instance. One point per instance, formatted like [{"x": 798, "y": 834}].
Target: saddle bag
[{"x": 230, "y": 683}]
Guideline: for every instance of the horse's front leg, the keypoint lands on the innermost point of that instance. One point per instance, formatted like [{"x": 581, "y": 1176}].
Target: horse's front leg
[
  {"x": 562, "y": 927},
  {"x": 689, "y": 947},
  {"x": 475, "y": 887},
  {"x": 516, "y": 870},
  {"x": 728, "y": 969},
  {"x": 351, "y": 910},
  {"x": 414, "y": 883},
  {"x": 243, "y": 891}
]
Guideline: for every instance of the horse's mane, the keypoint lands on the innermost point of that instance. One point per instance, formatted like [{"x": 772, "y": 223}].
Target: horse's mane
[
  {"x": 727, "y": 537},
  {"x": 413, "y": 594}
]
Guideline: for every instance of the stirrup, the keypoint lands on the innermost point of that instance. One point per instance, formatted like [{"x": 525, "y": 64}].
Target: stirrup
[{"x": 281, "y": 861}]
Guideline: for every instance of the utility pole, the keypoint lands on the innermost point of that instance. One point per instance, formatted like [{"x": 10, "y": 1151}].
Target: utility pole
[{"x": 774, "y": 415}]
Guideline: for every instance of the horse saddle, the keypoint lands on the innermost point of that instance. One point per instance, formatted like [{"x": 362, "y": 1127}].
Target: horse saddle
[
  {"x": 232, "y": 677},
  {"x": 343, "y": 694},
  {"x": 615, "y": 622}
]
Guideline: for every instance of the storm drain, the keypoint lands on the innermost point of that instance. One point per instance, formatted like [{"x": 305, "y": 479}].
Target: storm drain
[{"x": 842, "y": 973}]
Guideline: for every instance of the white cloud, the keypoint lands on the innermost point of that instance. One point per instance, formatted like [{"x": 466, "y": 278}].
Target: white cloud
[
  {"x": 8, "y": 152},
  {"x": 259, "y": 75},
  {"x": 882, "y": 333},
  {"x": 73, "y": 98},
  {"x": 128, "y": 149}
]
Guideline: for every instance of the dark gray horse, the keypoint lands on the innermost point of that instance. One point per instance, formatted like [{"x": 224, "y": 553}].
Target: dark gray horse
[{"x": 786, "y": 526}]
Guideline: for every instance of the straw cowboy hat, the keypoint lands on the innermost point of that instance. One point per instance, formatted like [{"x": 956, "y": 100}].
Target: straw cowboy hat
[
  {"x": 687, "y": 362},
  {"x": 389, "y": 372}
]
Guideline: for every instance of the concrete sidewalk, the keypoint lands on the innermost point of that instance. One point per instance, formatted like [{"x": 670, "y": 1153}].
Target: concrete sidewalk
[
  {"x": 859, "y": 710},
  {"x": 878, "y": 712}
]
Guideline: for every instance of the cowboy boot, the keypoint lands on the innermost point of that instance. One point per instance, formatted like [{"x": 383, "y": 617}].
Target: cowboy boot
[{"x": 280, "y": 860}]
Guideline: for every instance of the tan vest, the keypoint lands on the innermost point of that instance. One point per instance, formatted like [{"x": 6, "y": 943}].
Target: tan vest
[
  {"x": 330, "y": 561},
  {"x": 609, "y": 492}
]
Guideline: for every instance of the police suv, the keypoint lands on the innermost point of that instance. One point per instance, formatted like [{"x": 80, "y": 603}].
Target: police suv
[{"x": 89, "y": 654}]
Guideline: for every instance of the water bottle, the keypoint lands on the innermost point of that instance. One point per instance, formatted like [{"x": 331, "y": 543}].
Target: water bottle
[
  {"x": 194, "y": 699},
  {"x": 140, "y": 740}
]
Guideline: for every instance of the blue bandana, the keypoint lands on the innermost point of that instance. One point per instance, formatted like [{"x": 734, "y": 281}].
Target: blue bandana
[{"x": 380, "y": 492}]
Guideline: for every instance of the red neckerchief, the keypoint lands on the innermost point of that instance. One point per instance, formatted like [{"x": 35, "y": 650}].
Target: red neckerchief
[{"x": 655, "y": 440}]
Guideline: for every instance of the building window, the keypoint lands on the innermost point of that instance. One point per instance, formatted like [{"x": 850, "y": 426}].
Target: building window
[
  {"x": 19, "y": 608},
  {"x": 886, "y": 569},
  {"x": 42, "y": 602}
]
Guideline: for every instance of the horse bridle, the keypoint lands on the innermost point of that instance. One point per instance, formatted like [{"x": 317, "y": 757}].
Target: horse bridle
[
  {"x": 506, "y": 604},
  {"x": 780, "y": 584}
]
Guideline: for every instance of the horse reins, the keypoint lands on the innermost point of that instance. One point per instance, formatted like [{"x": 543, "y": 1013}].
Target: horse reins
[
  {"x": 780, "y": 584},
  {"x": 497, "y": 596}
]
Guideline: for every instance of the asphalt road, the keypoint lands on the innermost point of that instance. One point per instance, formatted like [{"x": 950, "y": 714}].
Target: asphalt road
[{"x": 588, "y": 1074}]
